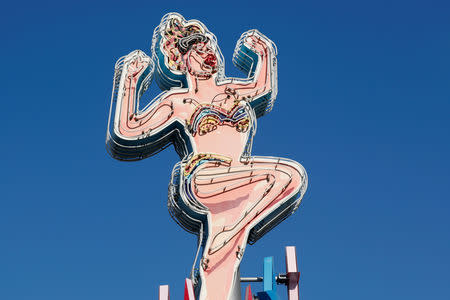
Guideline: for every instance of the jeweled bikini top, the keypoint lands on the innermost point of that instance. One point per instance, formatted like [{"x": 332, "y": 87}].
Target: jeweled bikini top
[{"x": 207, "y": 117}]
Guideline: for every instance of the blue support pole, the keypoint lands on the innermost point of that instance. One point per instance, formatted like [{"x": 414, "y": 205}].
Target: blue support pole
[
  {"x": 269, "y": 281},
  {"x": 269, "y": 276}
]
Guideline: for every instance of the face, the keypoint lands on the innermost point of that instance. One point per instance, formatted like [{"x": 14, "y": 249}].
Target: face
[{"x": 201, "y": 60}]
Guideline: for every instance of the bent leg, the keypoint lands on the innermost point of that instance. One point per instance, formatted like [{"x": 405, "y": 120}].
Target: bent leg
[{"x": 238, "y": 197}]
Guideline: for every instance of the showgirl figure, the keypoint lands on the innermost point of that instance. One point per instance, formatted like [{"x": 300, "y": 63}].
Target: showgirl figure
[{"x": 218, "y": 190}]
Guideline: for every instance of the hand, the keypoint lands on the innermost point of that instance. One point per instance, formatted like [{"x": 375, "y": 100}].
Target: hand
[
  {"x": 257, "y": 42},
  {"x": 136, "y": 62}
]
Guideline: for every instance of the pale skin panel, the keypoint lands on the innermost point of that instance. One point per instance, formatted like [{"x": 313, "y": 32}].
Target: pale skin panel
[{"x": 238, "y": 194}]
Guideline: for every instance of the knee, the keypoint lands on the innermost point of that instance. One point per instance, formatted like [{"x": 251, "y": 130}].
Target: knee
[{"x": 297, "y": 174}]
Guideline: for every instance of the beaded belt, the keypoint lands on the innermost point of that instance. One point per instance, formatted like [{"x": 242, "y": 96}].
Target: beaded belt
[{"x": 198, "y": 159}]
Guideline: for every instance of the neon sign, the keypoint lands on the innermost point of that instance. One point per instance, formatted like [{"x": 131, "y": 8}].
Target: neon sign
[{"x": 218, "y": 190}]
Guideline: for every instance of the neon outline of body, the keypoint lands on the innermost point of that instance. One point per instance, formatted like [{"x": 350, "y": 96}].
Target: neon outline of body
[{"x": 217, "y": 177}]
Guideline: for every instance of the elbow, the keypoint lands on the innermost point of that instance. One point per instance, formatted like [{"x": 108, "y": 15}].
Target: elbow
[{"x": 121, "y": 147}]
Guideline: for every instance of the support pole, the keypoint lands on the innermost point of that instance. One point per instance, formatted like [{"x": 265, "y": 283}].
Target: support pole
[
  {"x": 188, "y": 290},
  {"x": 292, "y": 273},
  {"x": 164, "y": 292},
  {"x": 248, "y": 293}
]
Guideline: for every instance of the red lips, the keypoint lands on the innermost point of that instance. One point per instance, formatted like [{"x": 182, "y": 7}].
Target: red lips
[{"x": 211, "y": 60}]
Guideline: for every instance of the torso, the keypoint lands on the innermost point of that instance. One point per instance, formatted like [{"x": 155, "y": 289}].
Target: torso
[{"x": 221, "y": 124}]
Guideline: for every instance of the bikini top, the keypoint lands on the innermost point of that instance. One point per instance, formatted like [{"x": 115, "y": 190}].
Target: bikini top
[{"x": 207, "y": 117}]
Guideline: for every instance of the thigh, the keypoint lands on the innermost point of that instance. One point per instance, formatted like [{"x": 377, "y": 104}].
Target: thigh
[{"x": 230, "y": 190}]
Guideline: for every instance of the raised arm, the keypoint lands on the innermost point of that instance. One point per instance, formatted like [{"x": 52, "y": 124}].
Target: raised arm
[
  {"x": 133, "y": 133},
  {"x": 255, "y": 54}
]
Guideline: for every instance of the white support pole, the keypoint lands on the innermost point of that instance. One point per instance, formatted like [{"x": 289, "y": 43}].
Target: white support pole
[{"x": 293, "y": 275}]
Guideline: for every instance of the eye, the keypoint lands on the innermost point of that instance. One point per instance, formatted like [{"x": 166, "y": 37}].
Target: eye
[{"x": 200, "y": 47}]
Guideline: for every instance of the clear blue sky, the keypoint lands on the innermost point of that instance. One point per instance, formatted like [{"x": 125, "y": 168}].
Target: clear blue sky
[{"x": 363, "y": 104}]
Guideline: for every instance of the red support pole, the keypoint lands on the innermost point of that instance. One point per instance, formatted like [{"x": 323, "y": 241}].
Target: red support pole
[
  {"x": 248, "y": 293},
  {"x": 188, "y": 290}
]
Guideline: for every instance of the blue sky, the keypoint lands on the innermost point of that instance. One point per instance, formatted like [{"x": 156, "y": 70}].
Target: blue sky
[{"x": 363, "y": 104}]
